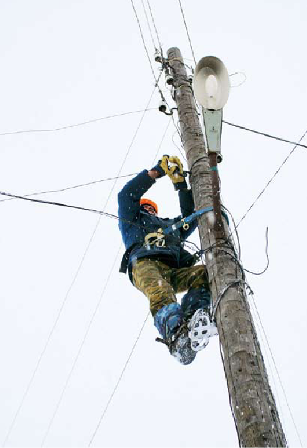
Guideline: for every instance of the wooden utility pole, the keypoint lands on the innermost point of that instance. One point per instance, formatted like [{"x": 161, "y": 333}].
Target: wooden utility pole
[{"x": 252, "y": 402}]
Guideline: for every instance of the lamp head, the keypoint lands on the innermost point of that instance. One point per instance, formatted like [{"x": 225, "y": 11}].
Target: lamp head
[{"x": 211, "y": 83}]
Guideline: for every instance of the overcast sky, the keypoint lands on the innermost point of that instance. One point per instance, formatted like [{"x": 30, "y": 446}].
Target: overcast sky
[{"x": 69, "y": 321}]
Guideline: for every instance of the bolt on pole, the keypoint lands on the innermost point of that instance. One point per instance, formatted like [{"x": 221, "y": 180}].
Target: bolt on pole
[{"x": 251, "y": 398}]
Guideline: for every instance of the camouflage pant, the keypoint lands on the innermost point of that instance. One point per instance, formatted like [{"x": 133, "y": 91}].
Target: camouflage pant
[{"x": 160, "y": 283}]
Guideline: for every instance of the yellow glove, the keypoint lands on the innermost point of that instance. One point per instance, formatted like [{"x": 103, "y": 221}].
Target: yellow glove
[
  {"x": 172, "y": 166},
  {"x": 176, "y": 170}
]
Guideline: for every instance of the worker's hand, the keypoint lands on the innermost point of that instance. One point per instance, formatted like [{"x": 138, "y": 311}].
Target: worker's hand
[
  {"x": 175, "y": 172},
  {"x": 161, "y": 167}
]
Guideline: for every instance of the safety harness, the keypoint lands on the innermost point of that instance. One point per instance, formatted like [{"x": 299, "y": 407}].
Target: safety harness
[{"x": 158, "y": 238}]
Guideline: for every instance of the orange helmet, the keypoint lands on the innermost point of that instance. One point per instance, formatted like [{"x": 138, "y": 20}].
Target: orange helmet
[{"x": 149, "y": 202}]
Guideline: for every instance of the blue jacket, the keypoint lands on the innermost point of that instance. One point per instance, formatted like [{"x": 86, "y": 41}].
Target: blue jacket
[{"x": 135, "y": 224}]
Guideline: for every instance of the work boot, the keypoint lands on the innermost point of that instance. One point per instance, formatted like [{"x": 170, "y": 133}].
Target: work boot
[
  {"x": 181, "y": 348},
  {"x": 193, "y": 300},
  {"x": 169, "y": 322}
]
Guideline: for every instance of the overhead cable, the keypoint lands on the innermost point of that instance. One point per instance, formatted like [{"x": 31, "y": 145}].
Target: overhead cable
[
  {"x": 83, "y": 123},
  {"x": 60, "y": 190},
  {"x": 90, "y": 324},
  {"x": 272, "y": 178},
  {"x": 266, "y": 135},
  {"x": 149, "y": 27},
  {"x": 143, "y": 40},
  {"x": 188, "y": 34},
  {"x": 118, "y": 381},
  {"x": 277, "y": 371},
  {"x": 80, "y": 349},
  {"x": 54, "y": 326},
  {"x": 155, "y": 28}
]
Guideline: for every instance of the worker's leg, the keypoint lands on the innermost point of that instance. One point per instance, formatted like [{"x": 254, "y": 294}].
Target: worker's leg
[
  {"x": 188, "y": 278},
  {"x": 195, "y": 280},
  {"x": 153, "y": 279}
]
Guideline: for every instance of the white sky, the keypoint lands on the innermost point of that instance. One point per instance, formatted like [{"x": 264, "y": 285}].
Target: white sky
[{"x": 66, "y": 62}]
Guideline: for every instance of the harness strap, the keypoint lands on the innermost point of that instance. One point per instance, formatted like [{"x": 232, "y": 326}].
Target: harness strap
[{"x": 185, "y": 221}]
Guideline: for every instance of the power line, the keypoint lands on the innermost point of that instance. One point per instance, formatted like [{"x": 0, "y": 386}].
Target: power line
[
  {"x": 149, "y": 27},
  {"x": 155, "y": 28},
  {"x": 186, "y": 27},
  {"x": 72, "y": 187},
  {"x": 83, "y": 123},
  {"x": 277, "y": 371},
  {"x": 272, "y": 178},
  {"x": 118, "y": 381},
  {"x": 80, "y": 349},
  {"x": 265, "y": 135},
  {"x": 144, "y": 43},
  {"x": 90, "y": 324},
  {"x": 11, "y": 427},
  {"x": 58, "y": 204}
]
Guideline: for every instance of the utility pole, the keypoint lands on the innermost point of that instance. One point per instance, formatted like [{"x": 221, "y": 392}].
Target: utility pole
[{"x": 251, "y": 399}]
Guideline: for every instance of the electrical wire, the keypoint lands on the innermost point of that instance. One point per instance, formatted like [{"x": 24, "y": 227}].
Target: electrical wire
[
  {"x": 60, "y": 190},
  {"x": 80, "y": 349},
  {"x": 272, "y": 178},
  {"x": 90, "y": 324},
  {"x": 58, "y": 204},
  {"x": 70, "y": 126},
  {"x": 135, "y": 343},
  {"x": 149, "y": 27},
  {"x": 186, "y": 27},
  {"x": 28, "y": 387},
  {"x": 259, "y": 318},
  {"x": 277, "y": 371},
  {"x": 143, "y": 40},
  {"x": 155, "y": 28},
  {"x": 267, "y": 256},
  {"x": 118, "y": 382},
  {"x": 268, "y": 362},
  {"x": 266, "y": 135},
  {"x": 242, "y": 82}
]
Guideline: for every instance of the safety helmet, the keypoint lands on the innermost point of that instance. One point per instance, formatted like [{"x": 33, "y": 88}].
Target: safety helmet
[{"x": 144, "y": 201}]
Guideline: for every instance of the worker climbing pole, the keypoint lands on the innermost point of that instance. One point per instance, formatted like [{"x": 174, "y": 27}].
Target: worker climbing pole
[
  {"x": 253, "y": 405},
  {"x": 160, "y": 267}
]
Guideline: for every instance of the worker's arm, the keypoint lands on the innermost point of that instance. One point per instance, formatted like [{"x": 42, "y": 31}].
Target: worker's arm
[
  {"x": 129, "y": 197},
  {"x": 186, "y": 202},
  {"x": 187, "y": 207}
]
